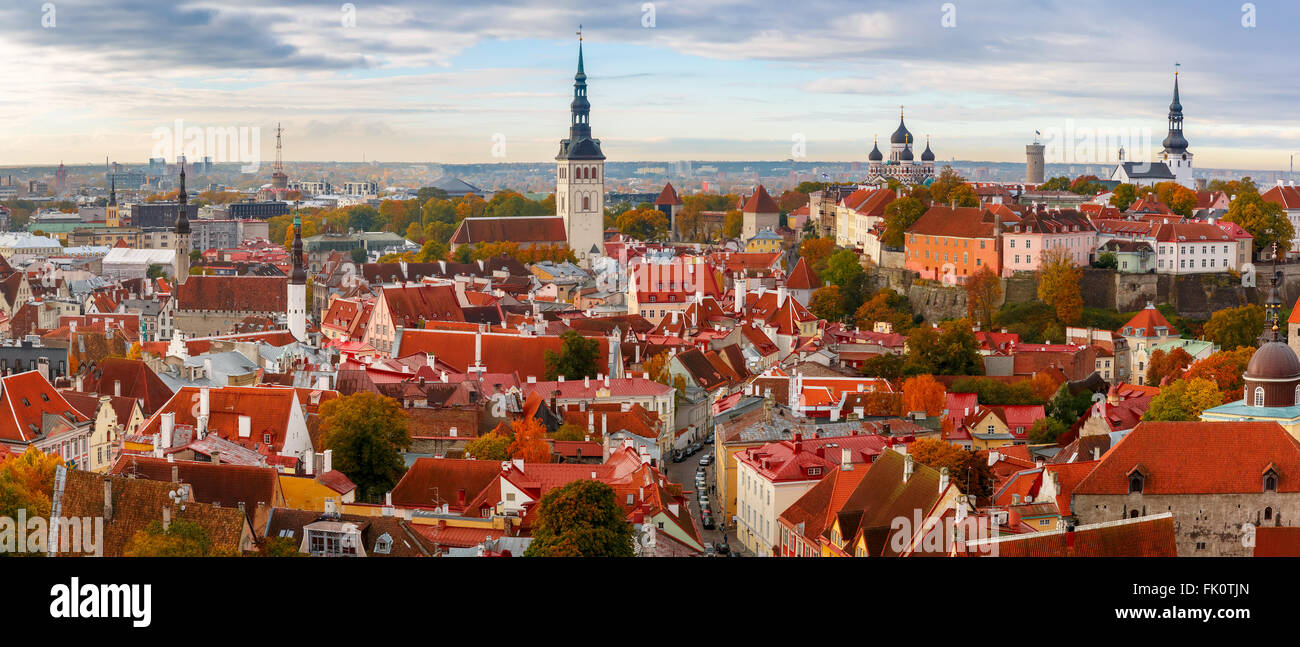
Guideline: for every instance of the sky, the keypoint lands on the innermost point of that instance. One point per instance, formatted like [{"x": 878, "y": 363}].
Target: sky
[{"x": 491, "y": 80}]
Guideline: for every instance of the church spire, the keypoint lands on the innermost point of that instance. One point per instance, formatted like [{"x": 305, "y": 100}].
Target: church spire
[
  {"x": 1175, "y": 143},
  {"x": 299, "y": 274},
  {"x": 182, "y": 221},
  {"x": 112, "y": 191}
]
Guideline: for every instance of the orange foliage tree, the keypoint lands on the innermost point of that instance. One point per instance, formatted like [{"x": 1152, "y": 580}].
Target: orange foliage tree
[
  {"x": 1167, "y": 365},
  {"x": 1058, "y": 284},
  {"x": 530, "y": 441},
  {"x": 1225, "y": 369},
  {"x": 983, "y": 290},
  {"x": 924, "y": 393}
]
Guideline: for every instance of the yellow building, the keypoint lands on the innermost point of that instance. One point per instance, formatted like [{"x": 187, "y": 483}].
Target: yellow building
[{"x": 766, "y": 241}]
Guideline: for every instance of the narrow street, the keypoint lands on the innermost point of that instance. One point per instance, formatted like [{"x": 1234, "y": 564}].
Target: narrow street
[{"x": 684, "y": 473}]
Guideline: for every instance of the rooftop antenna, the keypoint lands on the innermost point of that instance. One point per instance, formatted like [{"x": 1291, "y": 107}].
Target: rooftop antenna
[{"x": 279, "y": 161}]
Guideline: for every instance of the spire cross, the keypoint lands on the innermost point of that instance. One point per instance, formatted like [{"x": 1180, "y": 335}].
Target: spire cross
[{"x": 579, "y": 32}]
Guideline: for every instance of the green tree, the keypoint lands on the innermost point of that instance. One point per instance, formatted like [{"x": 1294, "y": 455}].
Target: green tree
[
  {"x": 280, "y": 547},
  {"x": 842, "y": 267},
  {"x": 947, "y": 180},
  {"x": 888, "y": 306},
  {"x": 885, "y": 365},
  {"x": 578, "y": 357},
  {"x": 643, "y": 224},
  {"x": 1124, "y": 195},
  {"x": 963, "y": 195},
  {"x": 581, "y": 519},
  {"x": 358, "y": 254},
  {"x": 1046, "y": 430},
  {"x": 899, "y": 215},
  {"x": 569, "y": 431},
  {"x": 1060, "y": 183},
  {"x": 1184, "y": 400},
  {"x": 952, "y": 350},
  {"x": 732, "y": 223},
  {"x": 1106, "y": 261},
  {"x": 367, "y": 432}
]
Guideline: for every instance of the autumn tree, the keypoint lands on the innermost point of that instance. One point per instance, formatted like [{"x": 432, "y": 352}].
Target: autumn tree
[
  {"x": 27, "y": 483},
  {"x": 924, "y": 393},
  {"x": 1043, "y": 385},
  {"x": 966, "y": 468},
  {"x": 1167, "y": 364},
  {"x": 1058, "y": 284},
  {"x": 367, "y": 432},
  {"x": 579, "y": 357},
  {"x": 492, "y": 446},
  {"x": 963, "y": 195},
  {"x": 181, "y": 538},
  {"x": 643, "y": 224},
  {"x": 657, "y": 368},
  {"x": 581, "y": 519},
  {"x": 1266, "y": 221},
  {"x": 827, "y": 303},
  {"x": 983, "y": 291},
  {"x": 899, "y": 215},
  {"x": 733, "y": 223},
  {"x": 1184, "y": 400},
  {"x": 885, "y": 365},
  {"x": 1225, "y": 368},
  {"x": 888, "y": 306},
  {"x": 947, "y": 180},
  {"x": 1235, "y": 327},
  {"x": 530, "y": 441},
  {"x": 816, "y": 251},
  {"x": 280, "y": 547}
]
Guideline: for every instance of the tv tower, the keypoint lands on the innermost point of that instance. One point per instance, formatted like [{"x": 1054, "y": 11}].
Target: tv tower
[{"x": 279, "y": 181}]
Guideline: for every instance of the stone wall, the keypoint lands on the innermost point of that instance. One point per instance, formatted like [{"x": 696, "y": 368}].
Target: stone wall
[
  {"x": 1213, "y": 519},
  {"x": 1197, "y": 296},
  {"x": 936, "y": 302}
]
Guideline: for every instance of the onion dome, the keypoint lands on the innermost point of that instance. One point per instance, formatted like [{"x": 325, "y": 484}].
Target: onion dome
[
  {"x": 906, "y": 155},
  {"x": 928, "y": 155},
  {"x": 875, "y": 155},
  {"x": 900, "y": 136}
]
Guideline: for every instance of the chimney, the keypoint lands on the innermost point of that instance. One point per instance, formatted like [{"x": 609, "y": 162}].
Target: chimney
[
  {"x": 245, "y": 427},
  {"x": 846, "y": 459},
  {"x": 176, "y": 474},
  {"x": 943, "y": 480},
  {"x": 168, "y": 425},
  {"x": 328, "y": 458},
  {"x": 1096, "y": 453},
  {"x": 216, "y": 457},
  {"x": 117, "y": 388},
  {"x": 908, "y": 466},
  {"x": 166, "y": 514},
  {"x": 308, "y": 463},
  {"x": 1015, "y": 499},
  {"x": 108, "y": 499}
]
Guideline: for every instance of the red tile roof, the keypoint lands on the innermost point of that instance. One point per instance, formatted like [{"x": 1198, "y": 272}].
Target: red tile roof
[
  {"x": 962, "y": 222},
  {"x": 1277, "y": 541},
  {"x": 26, "y": 399},
  {"x": 408, "y": 305},
  {"x": 760, "y": 202},
  {"x": 802, "y": 277},
  {"x": 1145, "y": 322},
  {"x": 1198, "y": 458},
  {"x": 501, "y": 352},
  {"x": 432, "y": 482},
  {"x": 234, "y": 294},
  {"x": 268, "y": 408},
  {"x": 1151, "y": 536},
  {"x": 668, "y": 196},
  {"x": 519, "y": 229}
]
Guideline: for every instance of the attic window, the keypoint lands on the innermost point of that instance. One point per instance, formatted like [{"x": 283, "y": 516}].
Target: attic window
[
  {"x": 266, "y": 438},
  {"x": 384, "y": 544},
  {"x": 44, "y": 397},
  {"x": 1135, "y": 482},
  {"x": 26, "y": 403},
  {"x": 1270, "y": 481}
]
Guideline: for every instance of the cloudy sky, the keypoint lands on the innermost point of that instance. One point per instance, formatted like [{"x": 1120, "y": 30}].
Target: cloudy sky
[{"x": 422, "y": 81}]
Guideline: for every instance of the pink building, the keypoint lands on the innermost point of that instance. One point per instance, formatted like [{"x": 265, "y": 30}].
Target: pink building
[{"x": 1039, "y": 230}]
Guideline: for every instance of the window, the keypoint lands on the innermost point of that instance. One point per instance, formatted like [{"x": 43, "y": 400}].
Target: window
[
  {"x": 266, "y": 438},
  {"x": 1135, "y": 482},
  {"x": 1270, "y": 481},
  {"x": 1268, "y": 514},
  {"x": 1259, "y": 396},
  {"x": 586, "y": 203},
  {"x": 384, "y": 544}
]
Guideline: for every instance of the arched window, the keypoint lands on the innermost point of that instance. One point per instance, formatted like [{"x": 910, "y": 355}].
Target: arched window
[
  {"x": 1135, "y": 483},
  {"x": 1270, "y": 481},
  {"x": 586, "y": 203},
  {"x": 1268, "y": 514},
  {"x": 1259, "y": 396},
  {"x": 1133, "y": 514}
]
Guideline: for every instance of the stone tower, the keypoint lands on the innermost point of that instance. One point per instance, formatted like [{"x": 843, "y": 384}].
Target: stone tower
[
  {"x": 1034, "y": 173},
  {"x": 298, "y": 286},
  {"x": 181, "y": 242}
]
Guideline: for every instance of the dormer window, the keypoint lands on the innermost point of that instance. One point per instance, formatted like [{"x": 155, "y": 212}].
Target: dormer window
[
  {"x": 1270, "y": 479},
  {"x": 1136, "y": 481},
  {"x": 384, "y": 544}
]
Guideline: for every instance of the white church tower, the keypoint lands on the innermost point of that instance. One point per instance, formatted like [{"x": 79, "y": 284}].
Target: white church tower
[{"x": 580, "y": 177}]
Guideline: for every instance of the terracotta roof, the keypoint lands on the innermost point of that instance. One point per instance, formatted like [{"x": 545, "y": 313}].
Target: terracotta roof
[
  {"x": 234, "y": 294},
  {"x": 224, "y": 485},
  {"x": 1198, "y": 458},
  {"x": 501, "y": 353},
  {"x": 962, "y": 222},
  {"x": 1151, "y": 536},
  {"x": 136, "y": 378},
  {"x": 26, "y": 400},
  {"x": 1277, "y": 541},
  {"x": 269, "y": 410},
  {"x": 405, "y": 540},
  {"x": 760, "y": 202},
  {"x": 431, "y": 482},
  {"x": 407, "y": 305},
  {"x": 519, "y": 229},
  {"x": 802, "y": 277},
  {"x": 668, "y": 196},
  {"x": 1145, "y": 322}
]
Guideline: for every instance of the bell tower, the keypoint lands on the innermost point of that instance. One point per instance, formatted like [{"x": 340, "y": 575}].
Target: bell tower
[
  {"x": 181, "y": 242},
  {"x": 580, "y": 176}
]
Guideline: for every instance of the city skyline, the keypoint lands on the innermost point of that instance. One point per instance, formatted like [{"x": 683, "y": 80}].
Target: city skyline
[{"x": 668, "y": 80}]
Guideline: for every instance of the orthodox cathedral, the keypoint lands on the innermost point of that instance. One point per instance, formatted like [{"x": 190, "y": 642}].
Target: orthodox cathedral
[{"x": 902, "y": 164}]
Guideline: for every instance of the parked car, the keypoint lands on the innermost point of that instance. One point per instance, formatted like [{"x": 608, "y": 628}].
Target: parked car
[
  {"x": 679, "y": 456},
  {"x": 709, "y": 550},
  {"x": 723, "y": 548},
  {"x": 695, "y": 448},
  {"x": 709, "y": 441},
  {"x": 708, "y": 522},
  {"x": 706, "y": 460}
]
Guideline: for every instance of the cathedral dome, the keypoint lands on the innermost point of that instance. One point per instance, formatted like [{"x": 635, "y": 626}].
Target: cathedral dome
[
  {"x": 906, "y": 155},
  {"x": 928, "y": 155},
  {"x": 900, "y": 136},
  {"x": 1273, "y": 361},
  {"x": 875, "y": 155}
]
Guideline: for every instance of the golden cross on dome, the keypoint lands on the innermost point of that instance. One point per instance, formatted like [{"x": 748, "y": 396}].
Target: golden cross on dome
[{"x": 579, "y": 32}]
